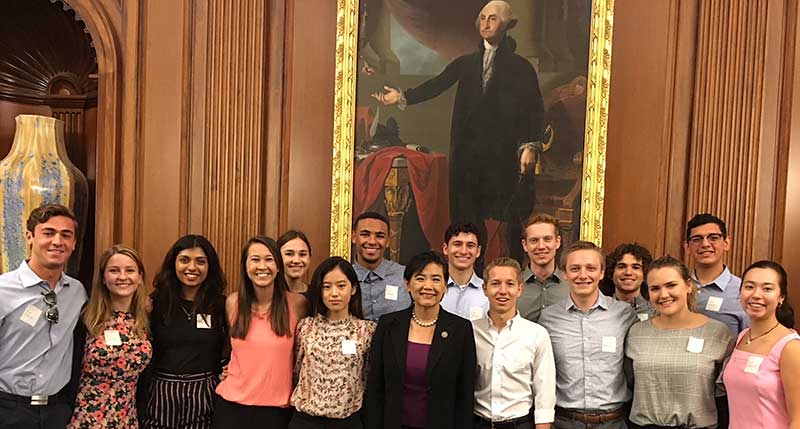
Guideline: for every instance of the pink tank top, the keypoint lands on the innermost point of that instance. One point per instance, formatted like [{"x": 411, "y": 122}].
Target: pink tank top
[
  {"x": 260, "y": 370},
  {"x": 755, "y": 390}
]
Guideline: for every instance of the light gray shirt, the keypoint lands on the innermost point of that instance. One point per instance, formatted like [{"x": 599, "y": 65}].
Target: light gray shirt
[
  {"x": 589, "y": 353},
  {"x": 382, "y": 290},
  {"x": 674, "y": 386},
  {"x": 36, "y": 355},
  {"x": 467, "y": 301},
  {"x": 540, "y": 293},
  {"x": 643, "y": 309},
  {"x": 720, "y": 300}
]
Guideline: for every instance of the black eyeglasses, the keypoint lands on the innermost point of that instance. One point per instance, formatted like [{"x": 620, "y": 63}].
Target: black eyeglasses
[{"x": 52, "y": 310}]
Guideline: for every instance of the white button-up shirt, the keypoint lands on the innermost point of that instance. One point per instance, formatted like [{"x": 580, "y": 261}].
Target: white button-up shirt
[{"x": 516, "y": 371}]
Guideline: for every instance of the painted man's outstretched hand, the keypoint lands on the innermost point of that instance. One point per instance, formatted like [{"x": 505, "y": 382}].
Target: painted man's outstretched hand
[{"x": 390, "y": 97}]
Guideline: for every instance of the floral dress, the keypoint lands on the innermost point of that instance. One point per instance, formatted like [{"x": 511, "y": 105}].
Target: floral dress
[{"x": 107, "y": 392}]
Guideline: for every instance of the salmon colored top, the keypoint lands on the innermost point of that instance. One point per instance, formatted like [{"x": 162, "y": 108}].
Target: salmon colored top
[{"x": 260, "y": 369}]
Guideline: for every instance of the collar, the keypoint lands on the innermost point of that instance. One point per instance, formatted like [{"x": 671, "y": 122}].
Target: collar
[
  {"x": 721, "y": 281},
  {"x": 381, "y": 270},
  {"x": 639, "y": 301},
  {"x": 602, "y": 301},
  {"x": 488, "y": 46},
  {"x": 490, "y": 323},
  {"x": 474, "y": 281},
  {"x": 30, "y": 279},
  {"x": 557, "y": 276}
]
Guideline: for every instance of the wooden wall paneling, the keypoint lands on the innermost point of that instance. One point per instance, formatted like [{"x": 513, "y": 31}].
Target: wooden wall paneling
[
  {"x": 653, "y": 60},
  {"x": 311, "y": 26},
  {"x": 160, "y": 127},
  {"x": 791, "y": 230},
  {"x": 276, "y": 189},
  {"x": 735, "y": 122},
  {"x": 234, "y": 156}
]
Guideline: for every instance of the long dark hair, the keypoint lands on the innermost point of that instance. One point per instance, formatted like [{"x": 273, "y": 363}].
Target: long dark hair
[
  {"x": 246, "y": 296},
  {"x": 315, "y": 288},
  {"x": 784, "y": 313},
  {"x": 211, "y": 293}
]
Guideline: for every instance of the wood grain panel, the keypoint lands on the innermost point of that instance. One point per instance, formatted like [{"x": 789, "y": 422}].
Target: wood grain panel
[
  {"x": 733, "y": 144},
  {"x": 234, "y": 161}
]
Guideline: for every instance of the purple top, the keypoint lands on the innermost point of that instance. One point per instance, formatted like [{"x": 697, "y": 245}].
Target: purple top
[{"x": 415, "y": 386}]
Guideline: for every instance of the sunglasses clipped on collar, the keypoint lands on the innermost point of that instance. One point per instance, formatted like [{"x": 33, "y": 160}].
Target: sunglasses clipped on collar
[{"x": 51, "y": 314}]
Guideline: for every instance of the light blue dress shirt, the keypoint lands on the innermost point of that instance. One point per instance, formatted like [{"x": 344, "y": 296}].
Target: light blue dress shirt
[
  {"x": 589, "y": 349},
  {"x": 374, "y": 299},
  {"x": 467, "y": 301},
  {"x": 726, "y": 287},
  {"x": 36, "y": 355}
]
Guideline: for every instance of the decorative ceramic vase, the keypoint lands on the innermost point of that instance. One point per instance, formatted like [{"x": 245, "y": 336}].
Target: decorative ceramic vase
[{"x": 37, "y": 171}]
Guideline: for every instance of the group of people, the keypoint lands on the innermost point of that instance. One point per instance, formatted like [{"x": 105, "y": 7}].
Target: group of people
[{"x": 374, "y": 344}]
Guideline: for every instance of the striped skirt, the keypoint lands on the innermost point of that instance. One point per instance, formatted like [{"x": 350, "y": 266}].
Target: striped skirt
[{"x": 179, "y": 401}]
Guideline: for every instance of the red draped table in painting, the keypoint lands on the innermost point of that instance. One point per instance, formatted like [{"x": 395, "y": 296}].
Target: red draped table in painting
[{"x": 397, "y": 174}]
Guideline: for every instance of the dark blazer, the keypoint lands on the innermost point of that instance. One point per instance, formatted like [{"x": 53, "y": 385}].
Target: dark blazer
[{"x": 451, "y": 373}]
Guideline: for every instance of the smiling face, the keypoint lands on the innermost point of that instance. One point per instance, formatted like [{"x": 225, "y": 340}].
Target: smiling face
[
  {"x": 260, "y": 265},
  {"x": 584, "y": 270},
  {"x": 669, "y": 292},
  {"x": 427, "y": 286},
  {"x": 122, "y": 276},
  {"x": 296, "y": 258},
  {"x": 336, "y": 291},
  {"x": 760, "y": 293},
  {"x": 628, "y": 274},
  {"x": 503, "y": 288},
  {"x": 706, "y": 245},
  {"x": 370, "y": 238},
  {"x": 462, "y": 250},
  {"x": 541, "y": 243},
  {"x": 191, "y": 267},
  {"x": 52, "y": 242}
]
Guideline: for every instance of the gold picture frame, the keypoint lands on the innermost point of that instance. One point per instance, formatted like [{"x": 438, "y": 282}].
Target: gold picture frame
[{"x": 594, "y": 155}]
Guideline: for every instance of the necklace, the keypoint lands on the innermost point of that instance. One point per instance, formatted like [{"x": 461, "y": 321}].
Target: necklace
[
  {"x": 421, "y": 323},
  {"x": 187, "y": 313},
  {"x": 750, "y": 338}
]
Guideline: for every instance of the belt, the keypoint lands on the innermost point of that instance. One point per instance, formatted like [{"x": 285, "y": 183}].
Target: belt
[
  {"x": 505, "y": 424},
  {"x": 594, "y": 418},
  {"x": 35, "y": 399}
]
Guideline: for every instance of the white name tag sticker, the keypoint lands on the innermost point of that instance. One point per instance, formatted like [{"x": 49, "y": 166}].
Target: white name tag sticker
[
  {"x": 475, "y": 313},
  {"x": 714, "y": 303},
  {"x": 203, "y": 321},
  {"x": 112, "y": 337},
  {"x": 609, "y": 344},
  {"x": 643, "y": 316},
  {"x": 391, "y": 293},
  {"x": 695, "y": 345},
  {"x": 348, "y": 347},
  {"x": 31, "y": 315},
  {"x": 753, "y": 363}
]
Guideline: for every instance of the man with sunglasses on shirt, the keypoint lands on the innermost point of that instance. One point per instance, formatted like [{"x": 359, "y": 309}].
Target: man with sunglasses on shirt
[
  {"x": 39, "y": 308},
  {"x": 706, "y": 243}
]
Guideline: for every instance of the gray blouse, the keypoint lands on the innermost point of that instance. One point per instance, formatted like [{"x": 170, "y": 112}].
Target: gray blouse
[{"x": 675, "y": 373}]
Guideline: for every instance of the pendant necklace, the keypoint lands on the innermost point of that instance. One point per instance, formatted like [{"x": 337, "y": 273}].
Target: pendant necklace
[
  {"x": 750, "y": 338},
  {"x": 188, "y": 314}
]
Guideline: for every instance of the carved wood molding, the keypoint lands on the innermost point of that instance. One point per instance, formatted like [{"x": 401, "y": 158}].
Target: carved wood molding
[{"x": 45, "y": 53}]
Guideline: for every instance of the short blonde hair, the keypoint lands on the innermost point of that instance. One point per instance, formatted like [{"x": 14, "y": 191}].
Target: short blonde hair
[{"x": 502, "y": 261}]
